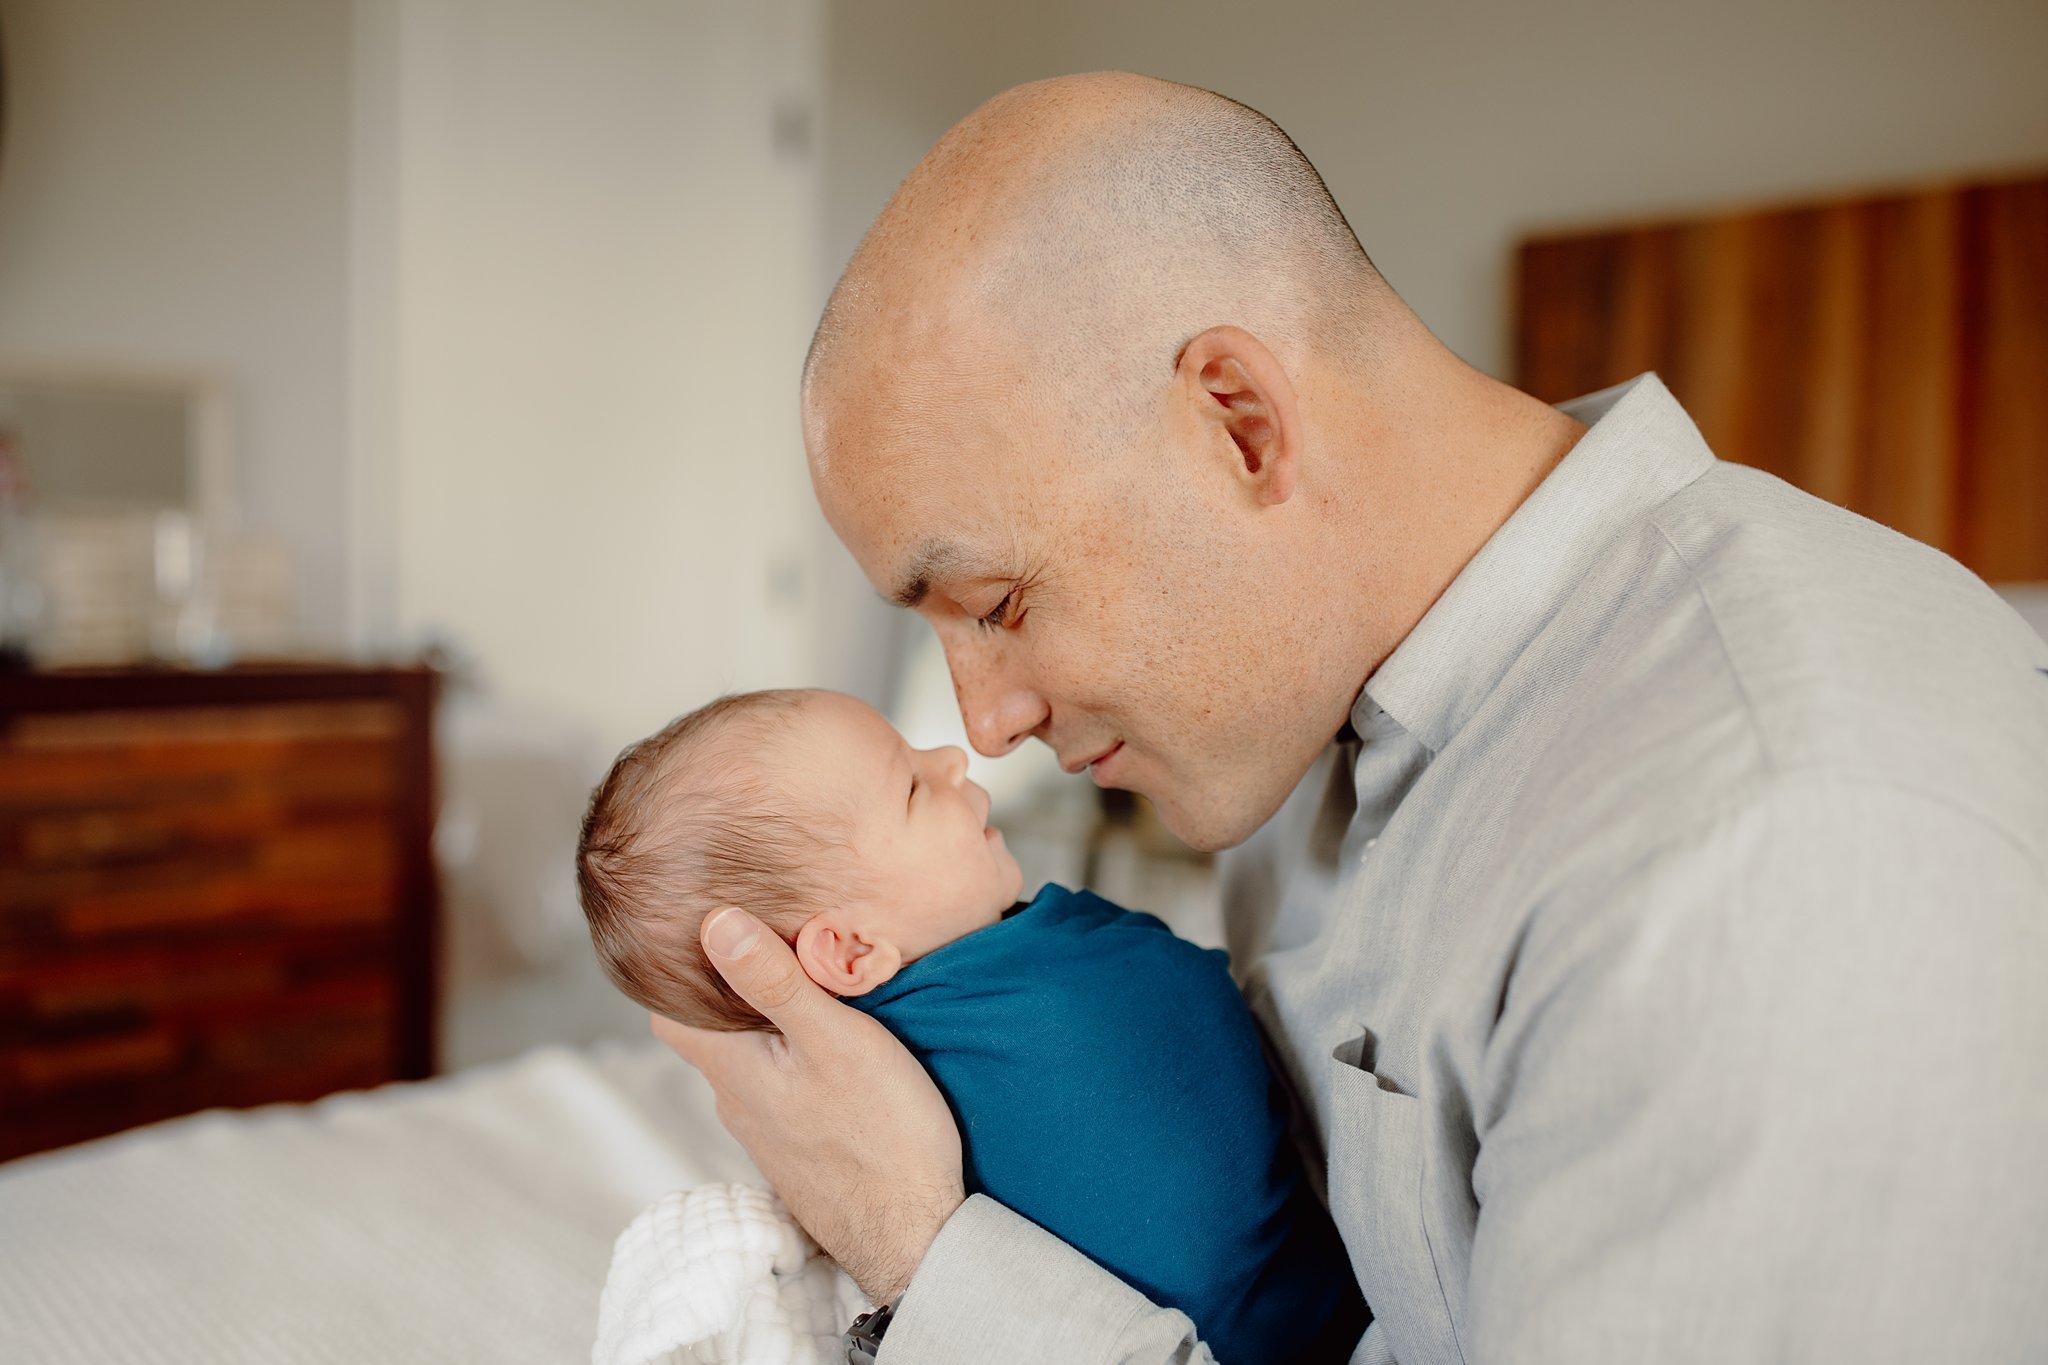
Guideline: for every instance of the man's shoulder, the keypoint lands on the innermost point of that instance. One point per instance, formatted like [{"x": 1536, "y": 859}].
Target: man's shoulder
[
  {"x": 1749, "y": 665},
  {"x": 1829, "y": 621},
  {"x": 1755, "y": 633}
]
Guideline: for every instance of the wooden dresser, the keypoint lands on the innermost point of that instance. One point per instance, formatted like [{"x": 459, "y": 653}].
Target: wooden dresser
[{"x": 215, "y": 889}]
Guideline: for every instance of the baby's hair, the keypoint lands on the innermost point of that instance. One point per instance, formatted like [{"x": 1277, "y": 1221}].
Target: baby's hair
[{"x": 688, "y": 820}]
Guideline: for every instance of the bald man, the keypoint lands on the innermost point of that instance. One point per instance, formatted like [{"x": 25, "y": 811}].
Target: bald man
[{"x": 1644, "y": 881}]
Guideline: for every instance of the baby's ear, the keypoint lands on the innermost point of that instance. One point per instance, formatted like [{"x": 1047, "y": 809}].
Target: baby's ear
[{"x": 842, "y": 961}]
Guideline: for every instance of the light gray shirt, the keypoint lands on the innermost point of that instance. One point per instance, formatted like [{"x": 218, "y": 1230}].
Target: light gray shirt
[{"x": 1663, "y": 972}]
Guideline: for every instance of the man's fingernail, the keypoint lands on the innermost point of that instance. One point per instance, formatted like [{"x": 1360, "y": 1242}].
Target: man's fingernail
[{"x": 731, "y": 932}]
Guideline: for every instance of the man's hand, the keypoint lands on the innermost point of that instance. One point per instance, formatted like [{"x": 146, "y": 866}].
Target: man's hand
[{"x": 837, "y": 1114}]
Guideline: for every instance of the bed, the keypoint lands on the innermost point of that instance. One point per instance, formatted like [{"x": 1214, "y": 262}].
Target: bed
[{"x": 466, "y": 1218}]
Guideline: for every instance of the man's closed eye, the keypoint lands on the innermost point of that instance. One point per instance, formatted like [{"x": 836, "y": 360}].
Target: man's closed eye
[{"x": 997, "y": 616}]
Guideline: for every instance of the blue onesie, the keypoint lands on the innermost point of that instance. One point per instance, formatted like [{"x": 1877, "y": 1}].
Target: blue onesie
[{"x": 1109, "y": 1085}]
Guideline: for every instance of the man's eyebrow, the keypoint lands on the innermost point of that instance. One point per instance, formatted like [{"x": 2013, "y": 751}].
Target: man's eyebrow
[{"x": 935, "y": 559}]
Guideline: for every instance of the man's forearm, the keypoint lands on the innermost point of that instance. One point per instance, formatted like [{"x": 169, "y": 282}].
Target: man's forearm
[{"x": 996, "y": 1287}]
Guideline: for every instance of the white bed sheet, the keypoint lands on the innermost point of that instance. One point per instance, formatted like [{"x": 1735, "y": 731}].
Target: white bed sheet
[{"x": 466, "y": 1218}]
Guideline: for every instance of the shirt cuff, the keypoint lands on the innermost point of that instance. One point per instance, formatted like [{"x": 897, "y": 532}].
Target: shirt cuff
[{"x": 995, "y": 1286}]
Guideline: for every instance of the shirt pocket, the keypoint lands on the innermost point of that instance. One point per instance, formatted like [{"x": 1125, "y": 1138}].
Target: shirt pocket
[{"x": 1376, "y": 1155}]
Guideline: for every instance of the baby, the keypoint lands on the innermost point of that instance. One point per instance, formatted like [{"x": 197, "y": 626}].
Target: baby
[{"x": 1106, "y": 1075}]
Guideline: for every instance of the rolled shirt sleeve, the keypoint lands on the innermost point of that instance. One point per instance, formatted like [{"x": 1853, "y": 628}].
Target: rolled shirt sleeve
[
  {"x": 995, "y": 1288},
  {"x": 1775, "y": 1093}
]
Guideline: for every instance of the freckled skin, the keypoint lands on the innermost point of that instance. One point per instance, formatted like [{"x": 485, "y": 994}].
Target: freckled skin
[{"x": 1155, "y": 606}]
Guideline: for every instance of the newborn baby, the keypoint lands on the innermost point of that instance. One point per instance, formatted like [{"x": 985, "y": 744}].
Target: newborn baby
[{"x": 1106, "y": 1075}]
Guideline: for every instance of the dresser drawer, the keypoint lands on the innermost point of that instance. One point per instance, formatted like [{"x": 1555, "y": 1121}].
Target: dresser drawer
[
  {"x": 157, "y": 821},
  {"x": 209, "y": 904}
]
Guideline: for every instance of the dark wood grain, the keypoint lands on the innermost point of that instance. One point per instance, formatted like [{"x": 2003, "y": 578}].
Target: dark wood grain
[
  {"x": 215, "y": 889},
  {"x": 1888, "y": 353}
]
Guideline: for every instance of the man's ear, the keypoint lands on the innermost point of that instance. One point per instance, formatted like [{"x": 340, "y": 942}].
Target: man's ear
[
  {"x": 1240, "y": 387},
  {"x": 844, "y": 961}
]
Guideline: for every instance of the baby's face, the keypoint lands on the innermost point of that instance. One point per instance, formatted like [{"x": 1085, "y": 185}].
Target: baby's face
[{"x": 933, "y": 867}]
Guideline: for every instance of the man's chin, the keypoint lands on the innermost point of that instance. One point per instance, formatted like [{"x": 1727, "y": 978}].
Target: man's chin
[{"x": 1211, "y": 829}]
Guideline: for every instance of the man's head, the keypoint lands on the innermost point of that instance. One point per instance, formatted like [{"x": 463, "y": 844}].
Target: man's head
[
  {"x": 810, "y": 811},
  {"x": 1091, "y": 398}
]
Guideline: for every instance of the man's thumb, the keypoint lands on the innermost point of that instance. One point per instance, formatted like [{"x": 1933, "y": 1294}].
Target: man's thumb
[
  {"x": 757, "y": 965},
  {"x": 731, "y": 932}
]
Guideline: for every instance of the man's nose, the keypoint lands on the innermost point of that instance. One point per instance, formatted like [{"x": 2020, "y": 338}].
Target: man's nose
[{"x": 999, "y": 712}]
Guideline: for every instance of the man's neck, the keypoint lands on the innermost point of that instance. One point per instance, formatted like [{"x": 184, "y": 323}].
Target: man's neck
[{"x": 1455, "y": 468}]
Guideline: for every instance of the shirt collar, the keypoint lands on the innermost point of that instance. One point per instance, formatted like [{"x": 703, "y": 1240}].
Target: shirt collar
[{"x": 1640, "y": 449}]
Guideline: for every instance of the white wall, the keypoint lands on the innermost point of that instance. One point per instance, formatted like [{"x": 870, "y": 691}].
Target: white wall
[
  {"x": 173, "y": 197},
  {"x": 601, "y": 277},
  {"x": 1448, "y": 130},
  {"x": 510, "y": 296}
]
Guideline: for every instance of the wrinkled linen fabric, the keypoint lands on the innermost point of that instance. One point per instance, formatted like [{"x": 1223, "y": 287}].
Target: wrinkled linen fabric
[{"x": 722, "y": 1275}]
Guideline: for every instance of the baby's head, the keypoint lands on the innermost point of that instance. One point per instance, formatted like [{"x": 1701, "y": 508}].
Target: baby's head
[{"x": 806, "y": 809}]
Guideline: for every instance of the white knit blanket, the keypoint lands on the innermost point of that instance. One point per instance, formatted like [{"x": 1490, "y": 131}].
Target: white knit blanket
[
  {"x": 722, "y": 1275},
  {"x": 466, "y": 1220}
]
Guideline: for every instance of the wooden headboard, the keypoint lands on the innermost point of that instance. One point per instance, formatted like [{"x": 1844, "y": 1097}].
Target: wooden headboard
[{"x": 1888, "y": 353}]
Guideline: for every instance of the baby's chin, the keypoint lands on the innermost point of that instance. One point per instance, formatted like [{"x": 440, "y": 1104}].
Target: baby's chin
[
  {"x": 980, "y": 918},
  {"x": 996, "y": 911}
]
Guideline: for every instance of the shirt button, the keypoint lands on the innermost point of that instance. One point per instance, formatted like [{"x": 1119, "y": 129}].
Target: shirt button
[{"x": 1370, "y": 842}]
